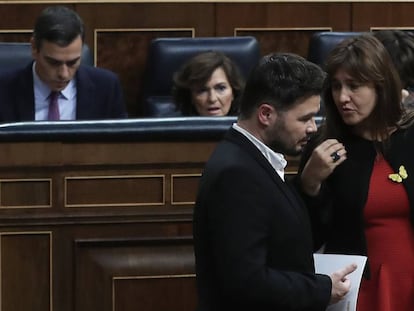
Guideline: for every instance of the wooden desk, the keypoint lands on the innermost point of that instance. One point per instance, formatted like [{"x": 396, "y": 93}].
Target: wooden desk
[{"x": 97, "y": 216}]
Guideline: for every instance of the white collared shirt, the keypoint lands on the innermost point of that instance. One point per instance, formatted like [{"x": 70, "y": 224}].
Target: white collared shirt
[
  {"x": 276, "y": 160},
  {"x": 66, "y": 99}
]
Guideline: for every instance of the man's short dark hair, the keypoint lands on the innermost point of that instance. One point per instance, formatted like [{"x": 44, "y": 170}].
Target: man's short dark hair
[
  {"x": 281, "y": 79},
  {"x": 59, "y": 25}
]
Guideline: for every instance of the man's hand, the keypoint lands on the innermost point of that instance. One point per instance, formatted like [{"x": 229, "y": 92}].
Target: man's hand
[{"x": 341, "y": 283}]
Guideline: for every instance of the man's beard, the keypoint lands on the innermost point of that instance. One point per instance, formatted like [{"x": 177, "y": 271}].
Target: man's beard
[{"x": 280, "y": 146}]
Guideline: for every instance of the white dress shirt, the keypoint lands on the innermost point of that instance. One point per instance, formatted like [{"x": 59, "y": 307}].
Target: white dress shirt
[
  {"x": 276, "y": 160},
  {"x": 66, "y": 99}
]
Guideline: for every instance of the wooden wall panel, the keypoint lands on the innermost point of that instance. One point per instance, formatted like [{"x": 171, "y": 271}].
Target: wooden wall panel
[
  {"x": 25, "y": 193},
  {"x": 184, "y": 188},
  {"x": 19, "y": 35},
  {"x": 151, "y": 16},
  {"x": 125, "y": 190},
  {"x": 134, "y": 293},
  {"x": 131, "y": 154},
  {"x": 282, "y": 15},
  {"x": 390, "y": 15},
  {"x": 21, "y": 16},
  {"x": 26, "y": 271},
  {"x": 282, "y": 39},
  {"x": 145, "y": 274}
]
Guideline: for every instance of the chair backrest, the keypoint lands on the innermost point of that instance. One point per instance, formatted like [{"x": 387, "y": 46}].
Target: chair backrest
[
  {"x": 167, "y": 55},
  {"x": 18, "y": 54},
  {"x": 321, "y": 43}
]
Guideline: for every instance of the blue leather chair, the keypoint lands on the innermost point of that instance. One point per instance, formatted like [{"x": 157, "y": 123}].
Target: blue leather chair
[
  {"x": 19, "y": 54},
  {"x": 166, "y": 55},
  {"x": 321, "y": 43}
]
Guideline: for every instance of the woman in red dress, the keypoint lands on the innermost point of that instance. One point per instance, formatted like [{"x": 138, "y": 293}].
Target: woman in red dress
[{"x": 357, "y": 174}]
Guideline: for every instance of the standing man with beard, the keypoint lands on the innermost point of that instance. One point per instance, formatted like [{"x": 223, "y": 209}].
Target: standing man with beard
[{"x": 253, "y": 241}]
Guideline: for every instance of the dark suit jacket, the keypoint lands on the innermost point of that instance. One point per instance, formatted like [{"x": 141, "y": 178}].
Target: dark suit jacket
[
  {"x": 252, "y": 236},
  {"x": 99, "y": 95}
]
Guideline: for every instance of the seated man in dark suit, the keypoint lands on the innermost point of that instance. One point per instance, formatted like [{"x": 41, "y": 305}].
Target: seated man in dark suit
[{"x": 55, "y": 86}]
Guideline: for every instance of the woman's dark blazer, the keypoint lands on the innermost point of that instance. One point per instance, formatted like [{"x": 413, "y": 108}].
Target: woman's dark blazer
[
  {"x": 99, "y": 95},
  {"x": 337, "y": 213},
  {"x": 252, "y": 236}
]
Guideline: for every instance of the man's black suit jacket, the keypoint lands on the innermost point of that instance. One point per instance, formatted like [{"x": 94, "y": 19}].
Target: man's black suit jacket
[
  {"x": 252, "y": 236},
  {"x": 99, "y": 95}
]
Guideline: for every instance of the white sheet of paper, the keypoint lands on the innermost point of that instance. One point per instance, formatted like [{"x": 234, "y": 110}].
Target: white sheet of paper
[{"x": 328, "y": 263}]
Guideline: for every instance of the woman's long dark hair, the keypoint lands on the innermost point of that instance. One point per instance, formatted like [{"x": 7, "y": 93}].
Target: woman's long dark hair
[{"x": 366, "y": 60}]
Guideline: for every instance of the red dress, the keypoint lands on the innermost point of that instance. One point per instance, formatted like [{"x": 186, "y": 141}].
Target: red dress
[{"x": 390, "y": 244}]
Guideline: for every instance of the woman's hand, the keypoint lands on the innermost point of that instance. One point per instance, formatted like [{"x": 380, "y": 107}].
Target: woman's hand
[{"x": 322, "y": 162}]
